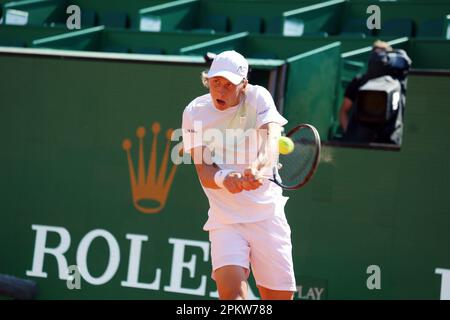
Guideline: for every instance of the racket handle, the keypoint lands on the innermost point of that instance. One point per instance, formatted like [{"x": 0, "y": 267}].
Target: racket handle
[{"x": 269, "y": 176}]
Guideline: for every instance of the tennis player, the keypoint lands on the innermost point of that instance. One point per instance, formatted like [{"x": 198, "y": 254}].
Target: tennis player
[{"x": 246, "y": 220}]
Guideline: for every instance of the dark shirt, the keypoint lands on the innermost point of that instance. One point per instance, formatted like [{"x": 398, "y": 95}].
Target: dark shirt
[{"x": 352, "y": 89}]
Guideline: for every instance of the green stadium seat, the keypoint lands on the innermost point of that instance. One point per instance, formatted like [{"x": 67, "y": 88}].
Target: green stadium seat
[
  {"x": 113, "y": 19},
  {"x": 247, "y": 23},
  {"x": 291, "y": 27},
  {"x": 397, "y": 28},
  {"x": 263, "y": 55},
  {"x": 12, "y": 43},
  {"x": 295, "y": 27},
  {"x": 88, "y": 18},
  {"x": 355, "y": 65},
  {"x": 355, "y": 35},
  {"x": 274, "y": 26},
  {"x": 447, "y": 27},
  {"x": 323, "y": 34},
  {"x": 217, "y": 23},
  {"x": 117, "y": 49},
  {"x": 356, "y": 26},
  {"x": 203, "y": 31},
  {"x": 350, "y": 69},
  {"x": 432, "y": 28},
  {"x": 147, "y": 50}
]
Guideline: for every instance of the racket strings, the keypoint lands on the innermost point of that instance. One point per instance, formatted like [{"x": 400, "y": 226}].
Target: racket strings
[{"x": 297, "y": 165}]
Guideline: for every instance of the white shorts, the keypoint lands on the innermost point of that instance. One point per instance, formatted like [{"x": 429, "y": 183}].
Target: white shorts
[{"x": 265, "y": 245}]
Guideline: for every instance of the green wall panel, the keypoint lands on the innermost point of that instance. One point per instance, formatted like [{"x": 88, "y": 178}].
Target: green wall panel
[{"x": 63, "y": 123}]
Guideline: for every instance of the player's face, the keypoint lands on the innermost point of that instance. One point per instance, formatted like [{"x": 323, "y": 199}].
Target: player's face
[{"x": 224, "y": 93}]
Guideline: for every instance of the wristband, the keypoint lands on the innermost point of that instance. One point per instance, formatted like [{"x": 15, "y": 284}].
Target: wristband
[{"x": 220, "y": 176}]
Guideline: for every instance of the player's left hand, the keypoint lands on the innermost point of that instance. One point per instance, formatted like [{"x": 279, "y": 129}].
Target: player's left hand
[{"x": 250, "y": 180}]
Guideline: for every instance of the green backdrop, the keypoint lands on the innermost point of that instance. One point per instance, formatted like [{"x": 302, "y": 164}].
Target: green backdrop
[{"x": 63, "y": 170}]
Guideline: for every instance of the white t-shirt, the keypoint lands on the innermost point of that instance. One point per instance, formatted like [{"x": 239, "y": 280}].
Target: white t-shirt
[{"x": 202, "y": 121}]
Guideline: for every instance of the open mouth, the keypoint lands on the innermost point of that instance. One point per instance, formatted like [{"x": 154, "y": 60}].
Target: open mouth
[{"x": 220, "y": 102}]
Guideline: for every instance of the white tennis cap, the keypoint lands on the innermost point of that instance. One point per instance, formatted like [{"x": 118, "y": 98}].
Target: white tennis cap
[{"x": 230, "y": 65}]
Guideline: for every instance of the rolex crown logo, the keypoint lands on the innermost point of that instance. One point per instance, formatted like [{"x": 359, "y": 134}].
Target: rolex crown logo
[{"x": 150, "y": 187}]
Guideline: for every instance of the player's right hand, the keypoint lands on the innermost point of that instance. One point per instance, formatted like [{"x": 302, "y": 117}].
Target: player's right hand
[{"x": 233, "y": 182}]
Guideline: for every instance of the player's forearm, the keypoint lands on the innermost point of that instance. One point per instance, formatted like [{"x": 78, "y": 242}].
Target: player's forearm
[
  {"x": 206, "y": 175},
  {"x": 206, "y": 168},
  {"x": 266, "y": 156},
  {"x": 268, "y": 152}
]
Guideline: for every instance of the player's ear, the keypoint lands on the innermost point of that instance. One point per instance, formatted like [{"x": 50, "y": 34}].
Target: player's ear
[{"x": 244, "y": 84}]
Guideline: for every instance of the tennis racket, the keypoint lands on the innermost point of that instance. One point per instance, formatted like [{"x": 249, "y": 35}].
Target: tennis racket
[{"x": 296, "y": 168}]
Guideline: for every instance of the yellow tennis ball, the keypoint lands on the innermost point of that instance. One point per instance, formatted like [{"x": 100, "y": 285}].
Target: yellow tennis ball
[{"x": 285, "y": 145}]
